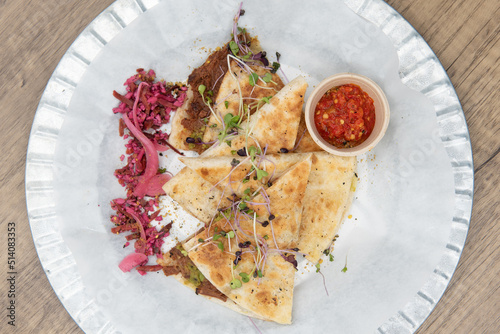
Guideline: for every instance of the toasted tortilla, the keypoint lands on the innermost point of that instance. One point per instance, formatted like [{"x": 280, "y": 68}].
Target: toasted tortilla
[
  {"x": 179, "y": 133},
  {"x": 304, "y": 141},
  {"x": 194, "y": 194},
  {"x": 327, "y": 199},
  {"x": 269, "y": 299},
  {"x": 285, "y": 196},
  {"x": 215, "y": 169},
  {"x": 286, "y": 199},
  {"x": 275, "y": 124},
  {"x": 229, "y": 93},
  {"x": 165, "y": 261}
]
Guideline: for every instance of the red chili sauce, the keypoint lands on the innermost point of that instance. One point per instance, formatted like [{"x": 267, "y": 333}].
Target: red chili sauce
[{"x": 345, "y": 116}]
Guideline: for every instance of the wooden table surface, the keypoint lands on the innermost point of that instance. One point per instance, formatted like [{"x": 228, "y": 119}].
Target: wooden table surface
[{"x": 464, "y": 34}]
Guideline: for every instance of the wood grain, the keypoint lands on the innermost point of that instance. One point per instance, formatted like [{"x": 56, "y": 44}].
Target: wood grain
[{"x": 465, "y": 36}]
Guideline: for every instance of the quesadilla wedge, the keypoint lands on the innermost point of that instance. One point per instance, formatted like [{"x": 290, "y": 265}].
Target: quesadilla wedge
[
  {"x": 236, "y": 91},
  {"x": 178, "y": 265},
  {"x": 269, "y": 295},
  {"x": 274, "y": 125},
  {"x": 220, "y": 172},
  {"x": 327, "y": 199},
  {"x": 195, "y": 195},
  {"x": 179, "y": 133}
]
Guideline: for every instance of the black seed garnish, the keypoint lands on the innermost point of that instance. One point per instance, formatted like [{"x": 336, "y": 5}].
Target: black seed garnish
[
  {"x": 264, "y": 224},
  {"x": 269, "y": 183},
  {"x": 190, "y": 140},
  {"x": 242, "y": 152},
  {"x": 271, "y": 217},
  {"x": 284, "y": 150}
]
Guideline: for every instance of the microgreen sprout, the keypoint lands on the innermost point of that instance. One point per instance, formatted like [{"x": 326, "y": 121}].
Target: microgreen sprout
[
  {"x": 235, "y": 283},
  {"x": 207, "y": 100},
  {"x": 201, "y": 240},
  {"x": 345, "y": 267},
  {"x": 220, "y": 245},
  {"x": 253, "y": 78},
  {"x": 268, "y": 77},
  {"x": 226, "y": 103},
  {"x": 230, "y": 124},
  {"x": 234, "y": 48},
  {"x": 244, "y": 277}
]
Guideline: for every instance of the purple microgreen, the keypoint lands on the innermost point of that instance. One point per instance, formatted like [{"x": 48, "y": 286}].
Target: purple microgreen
[
  {"x": 291, "y": 258},
  {"x": 235, "y": 162}
]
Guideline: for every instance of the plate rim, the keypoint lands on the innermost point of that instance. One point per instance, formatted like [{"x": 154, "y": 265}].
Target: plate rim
[{"x": 43, "y": 222}]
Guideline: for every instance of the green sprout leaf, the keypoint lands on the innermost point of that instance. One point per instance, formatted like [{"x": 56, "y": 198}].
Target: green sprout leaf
[
  {"x": 261, "y": 173},
  {"x": 276, "y": 66},
  {"x": 259, "y": 273},
  {"x": 162, "y": 170},
  {"x": 253, "y": 78},
  {"x": 331, "y": 258},
  {"x": 201, "y": 89},
  {"x": 209, "y": 92},
  {"x": 235, "y": 283},
  {"x": 244, "y": 277},
  {"x": 344, "y": 269},
  {"x": 213, "y": 125},
  {"x": 220, "y": 245},
  {"x": 252, "y": 150},
  {"x": 266, "y": 237},
  {"x": 201, "y": 240},
  {"x": 247, "y": 191},
  {"x": 268, "y": 77},
  {"x": 184, "y": 252},
  {"x": 226, "y": 103},
  {"x": 234, "y": 48},
  {"x": 266, "y": 99},
  {"x": 318, "y": 267}
]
